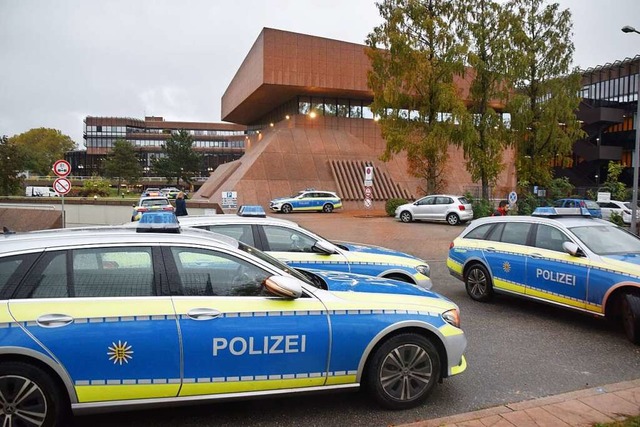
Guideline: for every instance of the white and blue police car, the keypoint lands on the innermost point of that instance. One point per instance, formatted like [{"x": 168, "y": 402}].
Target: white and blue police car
[
  {"x": 561, "y": 256},
  {"x": 301, "y": 248},
  {"x": 307, "y": 200},
  {"x": 110, "y": 318}
]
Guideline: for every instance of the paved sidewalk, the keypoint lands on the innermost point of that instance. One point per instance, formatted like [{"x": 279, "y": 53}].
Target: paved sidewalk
[{"x": 587, "y": 407}]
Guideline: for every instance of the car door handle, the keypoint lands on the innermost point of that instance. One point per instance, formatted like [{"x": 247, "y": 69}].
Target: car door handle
[
  {"x": 536, "y": 256},
  {"x": 490, "y": 249},
  {"x": 54, "y": 320},
  {"x": 203, "y": 314}
]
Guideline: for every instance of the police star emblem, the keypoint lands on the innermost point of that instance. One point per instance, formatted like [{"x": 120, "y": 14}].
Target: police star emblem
[
  {"x": 120, "y": 352},
  {"x": 506, "y": 266}
]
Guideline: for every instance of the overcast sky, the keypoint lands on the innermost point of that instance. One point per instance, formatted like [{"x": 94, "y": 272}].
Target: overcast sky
[{"x": 62, "y": 60}]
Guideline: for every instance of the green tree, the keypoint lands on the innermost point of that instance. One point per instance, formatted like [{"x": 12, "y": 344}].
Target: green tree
[
  {"x": 485, "y": 23},
  {"x": 617, "y": 189},
  {"x": 122, "y": 163},
  {"x": 12, "y": 161},
  {"x": 415, "y": 54},
  {"x": 545, "y": 100},
  {"x": 179, "y": 161},
  {"x": 42, "y": 147}
]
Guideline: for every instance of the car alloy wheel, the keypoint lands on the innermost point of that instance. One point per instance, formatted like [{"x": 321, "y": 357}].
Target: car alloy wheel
[
  {"x": 478, "y": 283},
  {"x": 405, "y": 216},
  {"x": 453, "y": 219},
  {"x": 631, "y": 317},
  {"x": 286, "y": 208},
  {"x": 328, "y": 208},
  {"x": 403, "y": 371}
]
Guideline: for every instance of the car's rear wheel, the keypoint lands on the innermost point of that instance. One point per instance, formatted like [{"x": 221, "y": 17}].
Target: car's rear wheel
[
  {"x": 286, "y": 208},
  {"x": 478, "y": 283},
  {"x": 328, "y": 208},
  {"x": 453, "y": 219},
  {"x": 29, "y": 397},
  {"x": 405, "y": 216},
  {"x": 403, "y": 371},
  {"x": 631, "y": 317}
]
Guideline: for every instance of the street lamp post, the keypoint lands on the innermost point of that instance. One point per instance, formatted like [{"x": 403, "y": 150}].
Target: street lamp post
[{"x": 636, "y": 152}]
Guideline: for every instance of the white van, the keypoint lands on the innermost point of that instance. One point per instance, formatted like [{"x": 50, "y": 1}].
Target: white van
[{"x": 40, "y": 192}]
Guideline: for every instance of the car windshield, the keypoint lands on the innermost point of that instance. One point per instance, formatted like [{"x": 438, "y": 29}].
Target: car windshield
[
  {"x": 154, "y": 202},
  {"x": 607, "y": 240},
  {"x": 275, "y": 262},
  {"x": 590, "y": 204}
]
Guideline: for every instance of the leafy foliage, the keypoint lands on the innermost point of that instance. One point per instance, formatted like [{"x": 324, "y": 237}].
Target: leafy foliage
[
  {"x": 391, "y": 205},
  {"x": 122, "y": 163},
  {"x": 42, "y": 147},
  {"x": 486, "y": 24},
  {"x": 95, "y": 187},
  {"x": 545, "y": 99},
  {"x": 481, "y": 207},
  {"x": 180, "y": 161},
  {"x": 617, "y": 189},
  {"x": 12, "y": 161},
  {"x": 414, "y": 56},
  {"x": 616, "y": 218},
  {"x": 560, "y": 188}
]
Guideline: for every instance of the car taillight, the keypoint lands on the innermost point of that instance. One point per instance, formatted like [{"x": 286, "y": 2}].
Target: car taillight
[
  {"x": 451, "y": 245},
  {"x": 142, "y": 209},
  {"x": 168, "y": 208},
  {"x": 461, "y": 207}
]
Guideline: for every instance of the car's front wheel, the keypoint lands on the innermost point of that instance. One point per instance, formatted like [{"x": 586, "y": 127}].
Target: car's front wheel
[
  {"x": 631, "y": 317},
  {"x": 453, "y": 219},
  {"x": 405, "y": 216},
  {"x": 478, "y": 283},
  {"x": 403, "y": 371},
  {"x": 286, "y": 208},
  {"x": 29, "y": 397},
  {"x": 328, "y": 208}
]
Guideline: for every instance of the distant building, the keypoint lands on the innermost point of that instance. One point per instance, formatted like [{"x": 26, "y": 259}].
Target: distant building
[
  {"x": 218, "y": 142},
  {"x": 608, "y": 113},
  {"x": 309, "y": 98}
]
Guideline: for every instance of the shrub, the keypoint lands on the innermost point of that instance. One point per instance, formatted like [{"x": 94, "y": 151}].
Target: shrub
[
  {"x": 527, "y": 203},
  {"x": 391, "y": 205},
  {"x": 616, "y": 218}
]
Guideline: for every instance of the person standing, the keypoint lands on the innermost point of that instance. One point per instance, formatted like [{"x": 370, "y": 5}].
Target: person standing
[
  {"x": 181, "y": 205},
  {"x": 503, "y": 207}
]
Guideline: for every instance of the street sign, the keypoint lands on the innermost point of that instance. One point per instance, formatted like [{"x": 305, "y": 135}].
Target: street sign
[
  {"x": 368, "y": 176},
  {"x": 62, "y": 186},
  {"x": 61, "y": 168},
  {"x": 368, "y": 203},
  {"x": 368, "y": 192},
  {"x": 513, "y": 198},
  {"x": 229, "y": 199}
]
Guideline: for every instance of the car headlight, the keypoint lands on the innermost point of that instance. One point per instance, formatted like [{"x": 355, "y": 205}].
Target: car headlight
[
  {"x": 452, "y": 317},
  {"x": 424, "y": 269}
]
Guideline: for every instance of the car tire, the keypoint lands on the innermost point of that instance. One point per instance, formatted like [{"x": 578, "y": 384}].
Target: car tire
[
  {"x": 478, "y": 283},
  {"x": 286, "y": 208},
  {"x": 405, "y": 216},
  {"x": 631, "y": 317},
  {"x": 453, "y": 219},
  {"x": 327, "y": 208},
  {"x": 28, "y": 389},
  {"x": 403, "y": 371}
]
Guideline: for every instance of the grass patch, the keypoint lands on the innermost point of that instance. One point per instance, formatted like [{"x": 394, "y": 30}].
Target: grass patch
[{"x": 629, "y": 422}]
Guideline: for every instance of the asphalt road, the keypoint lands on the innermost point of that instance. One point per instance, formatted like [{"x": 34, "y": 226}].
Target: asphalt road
[{"x": 517, "y": 350}]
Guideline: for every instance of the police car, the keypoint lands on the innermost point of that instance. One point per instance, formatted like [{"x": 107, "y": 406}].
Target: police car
[
  {"x": 308, "y": 200},
  {"x": 111, "y": 318},
  {"x": 561, "y": 256},
  {"x": 301, "y": 248}
]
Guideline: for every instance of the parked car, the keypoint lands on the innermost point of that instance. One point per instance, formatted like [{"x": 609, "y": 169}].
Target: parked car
[
  {"x": 302, "y": 248},
  {"x": 111, "y": 318},
  {"x": 438, "y": 207},
  {"x": 562, "y": 257},
  {"x": 593, "y": 207},
  {"x": 151, "y": 192},
  {"x": 170, "y": 192},
  {"x": 308, "y": 200},
  {"x": 621, "y": 208},
  {"x": 148, "y": 204},
  {"x": 34, "y": 191}
]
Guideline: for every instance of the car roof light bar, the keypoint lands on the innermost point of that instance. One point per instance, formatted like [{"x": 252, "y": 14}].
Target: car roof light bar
[
  {"x": 549, "y": 211},
  {"x": 158, "y": 222},
  {"x": 252, "y": 210}
]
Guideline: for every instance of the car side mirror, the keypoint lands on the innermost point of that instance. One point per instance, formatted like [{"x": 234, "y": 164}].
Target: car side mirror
[
  {"x": 325, "y": 247},
  {"x": 572, "y": 249},
  {"x": 283, "y": 286}
]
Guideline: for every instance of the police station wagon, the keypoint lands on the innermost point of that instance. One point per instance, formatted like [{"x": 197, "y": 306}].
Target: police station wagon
[
  {"x": 110, "y": 318},
  {"x": 308, "y": 200},
  {"x": 301, "y": 248},
  {"x": 561, "y": 256}
]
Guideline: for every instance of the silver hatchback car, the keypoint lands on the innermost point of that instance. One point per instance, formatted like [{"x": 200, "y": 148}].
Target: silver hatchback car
[{"x": 439, "y": 207}]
